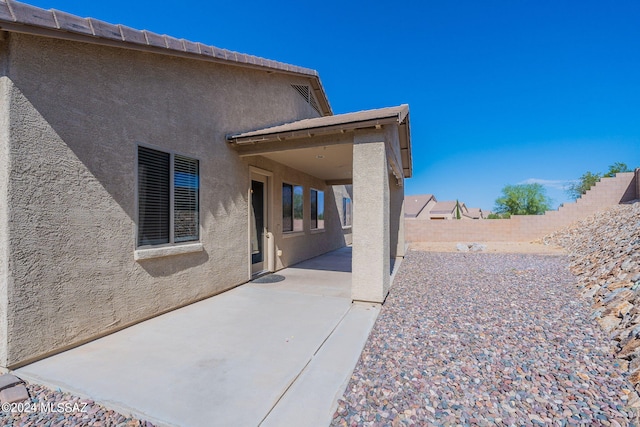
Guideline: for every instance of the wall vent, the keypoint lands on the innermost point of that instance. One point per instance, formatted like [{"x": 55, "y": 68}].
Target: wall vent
[{"x": 307, "y": 94}]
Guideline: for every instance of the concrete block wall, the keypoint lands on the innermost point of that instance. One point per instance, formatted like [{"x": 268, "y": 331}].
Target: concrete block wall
[{"x": 607, "y": 192}]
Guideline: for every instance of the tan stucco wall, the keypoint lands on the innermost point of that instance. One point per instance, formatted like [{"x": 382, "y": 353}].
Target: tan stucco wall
[
  {"x": 371, "y": 225},
  {"x": 340, "y": 191},
  {"x": 396, "y": 197},
  {"x": 77, "y": 114},
  {"x": 4, "y": 183},
  {"x": 301, "y": 245}
]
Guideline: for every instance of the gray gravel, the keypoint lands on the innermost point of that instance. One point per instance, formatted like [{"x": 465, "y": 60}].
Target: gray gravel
[
  {"x": 478, "y": 339},
  {"x": 53, "y": 408}
]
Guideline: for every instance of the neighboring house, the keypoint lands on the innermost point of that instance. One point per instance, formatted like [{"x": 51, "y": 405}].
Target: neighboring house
[
  {"x": 446, "y": 210},
  {"x": 425, "y": 206},
  {"x": 140, "y": 173},
  {"x": 473, "y": 213},
  {"x": 419, "y": 206}
]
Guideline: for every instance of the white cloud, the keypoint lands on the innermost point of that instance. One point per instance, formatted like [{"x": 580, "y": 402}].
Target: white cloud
[{"x": 557, "y": 184}]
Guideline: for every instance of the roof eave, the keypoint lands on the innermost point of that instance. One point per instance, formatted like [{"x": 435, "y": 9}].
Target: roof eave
[
  {"x": 310, "y": 132},
  {"x": 405, "y": 147},
  {"x": 84, "y": 30}
]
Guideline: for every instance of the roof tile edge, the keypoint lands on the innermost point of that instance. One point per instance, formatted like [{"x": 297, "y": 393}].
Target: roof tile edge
[{"x": 23, "y": 14}]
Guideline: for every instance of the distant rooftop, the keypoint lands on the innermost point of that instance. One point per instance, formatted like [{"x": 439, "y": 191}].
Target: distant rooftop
[
  {"x": 413, "y": 205},
  {"x": 444, "y": 207}
]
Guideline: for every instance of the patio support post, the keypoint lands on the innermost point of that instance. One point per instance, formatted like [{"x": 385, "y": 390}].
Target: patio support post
[{"x": 371, "y": 255}]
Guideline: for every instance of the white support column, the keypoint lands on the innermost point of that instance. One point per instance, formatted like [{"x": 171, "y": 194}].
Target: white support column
[{"x": 371, "y": 256}]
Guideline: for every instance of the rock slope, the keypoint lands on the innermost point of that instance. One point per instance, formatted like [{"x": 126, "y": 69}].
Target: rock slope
[{"x": 605, "y": 256}]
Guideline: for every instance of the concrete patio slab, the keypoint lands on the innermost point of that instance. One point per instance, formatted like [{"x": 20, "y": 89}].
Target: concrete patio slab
[
  {"x": 313, "y": 397},
  {"x": 230, "y": 359}
]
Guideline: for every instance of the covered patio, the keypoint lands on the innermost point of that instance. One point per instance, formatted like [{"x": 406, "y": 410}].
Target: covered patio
[
  {"x": 370, "y": 150},
  {"x": 272, "y": 352}
]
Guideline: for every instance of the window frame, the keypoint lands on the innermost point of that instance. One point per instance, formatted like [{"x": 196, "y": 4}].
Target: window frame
[
  {"x": 152, "y": 251},
  {"x": 344, "y": 212},
  {"x": 311, "y": 210},
  {"x": 293, "y": 193}
]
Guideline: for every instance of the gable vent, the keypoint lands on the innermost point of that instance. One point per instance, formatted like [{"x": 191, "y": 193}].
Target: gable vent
[{"x": 306, "y": 93}]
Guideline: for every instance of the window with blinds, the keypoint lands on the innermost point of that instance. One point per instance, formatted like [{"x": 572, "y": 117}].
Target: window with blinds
[
  {"x": 153, "y": 197},
  {"x": 185, "y": 199},
  {"x": 157, "y": 188},
  {"x": 346, "y": 212},
  {"x": 317, "y": 209},
  {"x": 287, "y": 207},
  {"x": 292, "y": 207}
]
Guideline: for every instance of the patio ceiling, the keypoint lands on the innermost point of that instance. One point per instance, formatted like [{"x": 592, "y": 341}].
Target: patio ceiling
[
  {"x": 329, "y": 162},
  {"x": 323, "y": 146}
]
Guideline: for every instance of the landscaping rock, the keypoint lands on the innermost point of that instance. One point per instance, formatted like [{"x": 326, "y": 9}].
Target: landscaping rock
[
  {"x": 605, "y": 257},
  {"x": 477, "y": 247},
  {"x": 483, "y": 339},
  {"x": 461, "y": 247},
  {"x": 48, "y": 408},
  {"x": 8, "y": 380},
  {"x": 17, "y": 393}
]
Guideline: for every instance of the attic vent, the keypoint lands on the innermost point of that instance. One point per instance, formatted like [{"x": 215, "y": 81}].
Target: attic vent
[{"x": 304, "y": 91}]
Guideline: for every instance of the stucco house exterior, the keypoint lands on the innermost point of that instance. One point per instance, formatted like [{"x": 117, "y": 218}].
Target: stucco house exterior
[
  {"x": 419, "y": 206},
  {"x": 426, "y": 206},
  {"x": 446, "y": 210},
  {"x": 473, "y": 213},
  {"x": 140, "y": 173}
]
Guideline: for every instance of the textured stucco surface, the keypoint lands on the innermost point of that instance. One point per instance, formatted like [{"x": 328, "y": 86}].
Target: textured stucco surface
[
  {"x": 5, "y": 85},
  {"x": 396, "y": 196},
  {"x": 77, "y": 113},
  {"x": 340, "y": 191},
  {"x": 308, "y": 243},
  {"x": 371, "y": 254}
]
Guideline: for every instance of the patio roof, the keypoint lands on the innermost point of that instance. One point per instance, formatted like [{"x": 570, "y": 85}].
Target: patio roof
[{"x": 324, "y": 127}]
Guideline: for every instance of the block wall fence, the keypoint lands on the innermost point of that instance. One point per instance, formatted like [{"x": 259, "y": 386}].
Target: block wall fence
[{"x": 608, "y": 192}]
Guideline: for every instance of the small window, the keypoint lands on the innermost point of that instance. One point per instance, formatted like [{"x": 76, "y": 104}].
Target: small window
[
  {"x": 157, "y": 188},
  {"x": 292, "y": 207},
  {"x": 346, "y": 212},
  {"x": 317, "y": 209}
]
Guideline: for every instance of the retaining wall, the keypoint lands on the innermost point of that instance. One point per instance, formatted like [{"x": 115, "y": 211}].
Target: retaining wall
[{"x": 607, "y": 192}]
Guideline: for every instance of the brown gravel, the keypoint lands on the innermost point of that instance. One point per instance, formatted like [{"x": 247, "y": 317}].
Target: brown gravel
[
  {"x": 477, "y": 339},
  {"x": 605, "y": 257},
  {"x": 54, "y": 408}
]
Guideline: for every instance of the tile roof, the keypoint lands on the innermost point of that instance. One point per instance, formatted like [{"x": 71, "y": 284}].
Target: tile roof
[
  {"x": 413, "y": 205},
  {"x": 445, "y": 207},
  {"x": 349, "y": 120},
  {"x": 475, "y": 213},
  {"x": 22, "y": 17}
]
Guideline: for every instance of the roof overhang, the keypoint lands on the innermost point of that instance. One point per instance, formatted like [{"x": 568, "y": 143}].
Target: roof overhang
[
  {"x": 27, "y": 19},
  {"x": 324, "y": 131}
]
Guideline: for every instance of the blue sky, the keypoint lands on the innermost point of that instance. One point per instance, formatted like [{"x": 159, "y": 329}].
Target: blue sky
[{"x": 500, "y": 92}]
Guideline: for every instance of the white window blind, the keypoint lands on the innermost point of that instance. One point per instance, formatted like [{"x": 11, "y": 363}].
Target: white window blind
[
  {"x": 185, "y": 199},
  {"x": 157, "y": 187},
  {"x": 153, "y": 197}
]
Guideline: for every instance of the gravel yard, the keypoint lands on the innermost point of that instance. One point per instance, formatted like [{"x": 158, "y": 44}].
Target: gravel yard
[
  {"x": 479, "y": 339},
  {"x": 49, "y": 408}
]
